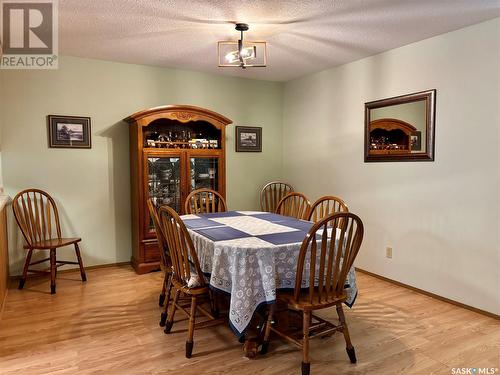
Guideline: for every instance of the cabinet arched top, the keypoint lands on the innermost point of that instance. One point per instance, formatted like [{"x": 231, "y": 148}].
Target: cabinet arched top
[
  {"x": 181, "y": 113},
  {"x": 392, "y": 124}
]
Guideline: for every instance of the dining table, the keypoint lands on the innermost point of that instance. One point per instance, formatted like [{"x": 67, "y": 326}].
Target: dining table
[{"x": 251, "y": 255}]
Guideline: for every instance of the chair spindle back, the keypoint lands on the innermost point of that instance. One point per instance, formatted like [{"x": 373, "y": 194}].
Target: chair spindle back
[
  {"x": 162, "y": 241},
  {"x": 330, "y": 260},
  {"x": 295, "y": 205},
  {"x": 36, "y": 214},
  {"x": 272, "y": 193},
  {"x": 203, "y": 201},
  {"x": 182, "y": 253},
  {"x": 326, "y": 206}
]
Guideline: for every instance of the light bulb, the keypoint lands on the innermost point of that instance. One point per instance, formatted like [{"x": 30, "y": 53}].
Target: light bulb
[
  {"x": 232, "y": 57},
  {"x": 246, "y": 53}
]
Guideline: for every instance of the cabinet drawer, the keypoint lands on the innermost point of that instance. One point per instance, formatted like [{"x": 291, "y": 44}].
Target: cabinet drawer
[{"x": 151, "y": 252}]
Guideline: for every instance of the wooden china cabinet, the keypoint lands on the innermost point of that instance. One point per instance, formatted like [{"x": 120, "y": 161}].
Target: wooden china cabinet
[
  {"x": 174, "y": 149},
  {"x": 390, "y": 136}
]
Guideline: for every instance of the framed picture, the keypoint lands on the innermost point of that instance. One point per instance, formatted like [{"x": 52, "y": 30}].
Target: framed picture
[
  {"x": 248, "y": 139},
  {"x": 69, "y": 131},
  {"x": 416, "y": 141}
]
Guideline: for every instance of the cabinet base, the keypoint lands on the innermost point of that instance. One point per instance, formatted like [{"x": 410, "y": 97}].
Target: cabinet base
[{"x": 142, "y": 268}]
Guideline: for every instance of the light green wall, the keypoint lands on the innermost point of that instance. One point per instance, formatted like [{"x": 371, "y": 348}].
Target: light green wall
[
  {"x": 92, "y": 187},
  {"x": 1, "y": 90},
  {"x": 442, "y": 218}
]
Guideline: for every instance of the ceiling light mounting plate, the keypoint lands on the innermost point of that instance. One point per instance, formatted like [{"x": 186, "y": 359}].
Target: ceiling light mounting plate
[{"x": 242, "y": 27}]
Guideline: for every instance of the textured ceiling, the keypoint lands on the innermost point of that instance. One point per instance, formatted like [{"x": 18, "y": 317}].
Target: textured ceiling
[{"x": 303, "y": 36}]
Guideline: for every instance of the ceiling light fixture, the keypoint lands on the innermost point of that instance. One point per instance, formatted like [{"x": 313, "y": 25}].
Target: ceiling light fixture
[{"x": 242, "y": 54}]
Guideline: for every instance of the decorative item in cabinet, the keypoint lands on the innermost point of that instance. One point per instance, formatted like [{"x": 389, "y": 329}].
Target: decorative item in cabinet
[
  {"x": 204, "y": 173},
  {"x": 164, "y": 181},
  {"x": 174, "y": 149}
]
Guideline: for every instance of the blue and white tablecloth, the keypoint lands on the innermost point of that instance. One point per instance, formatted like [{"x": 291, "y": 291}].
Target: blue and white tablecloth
[{"x": 250, "y": 254}]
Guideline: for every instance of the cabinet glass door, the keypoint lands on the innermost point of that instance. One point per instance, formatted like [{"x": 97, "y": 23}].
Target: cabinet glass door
[
  {"x": 163, "y": 176},
  {"x": 204, "y": 173}
]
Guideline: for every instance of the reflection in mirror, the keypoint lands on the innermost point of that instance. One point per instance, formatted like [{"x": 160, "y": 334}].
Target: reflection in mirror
[
  {"x": 411, "y": 130},
  {"x": 400, "y": 128}
]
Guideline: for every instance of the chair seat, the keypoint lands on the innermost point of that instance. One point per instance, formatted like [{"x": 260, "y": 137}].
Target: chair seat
[
  {"x": 53, "y": 243},
  {"x": 197, "y": 290},
  {"x": 304, "y": 303}
]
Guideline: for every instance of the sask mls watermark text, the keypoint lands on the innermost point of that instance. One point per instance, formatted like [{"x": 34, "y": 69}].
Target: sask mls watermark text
[
  {"x": 474, "y": 371},
  {"x": 29, "y": 34}
]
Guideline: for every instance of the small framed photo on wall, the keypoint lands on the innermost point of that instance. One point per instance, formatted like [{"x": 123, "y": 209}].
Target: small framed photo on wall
[
  {"x": 248, "y": 139},
  {"x": 69, "y": 131},
  {"x": 416, "y": 141}
]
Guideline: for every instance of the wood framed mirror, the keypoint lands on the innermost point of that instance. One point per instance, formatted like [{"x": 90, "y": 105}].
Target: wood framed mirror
[{"x": 401, "y": 128}]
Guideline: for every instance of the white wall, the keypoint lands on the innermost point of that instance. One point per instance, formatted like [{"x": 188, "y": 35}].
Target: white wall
[
  {"x": 442, "y": 217},
  {"x": 92, "y": 186}
]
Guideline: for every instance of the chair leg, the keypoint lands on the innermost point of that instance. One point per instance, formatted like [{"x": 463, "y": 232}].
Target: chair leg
[
  {"x": 349, "y": 348},
  {"x": 25, "y": 270},
  {"x": 306, "y": 365},
  {"x": 164, "y": 314},
  {"x": 53, "y": 268},
  {"x": 192, "y": 317},
  {"x": 161, "y": 299},
  {"x": 267, "y": 330},
  {"x": 170, "y": 320},
  {"x": 80, "y": 262}
]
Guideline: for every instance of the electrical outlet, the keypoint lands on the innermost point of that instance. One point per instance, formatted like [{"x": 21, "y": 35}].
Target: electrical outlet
[{"x": 388, "y": 252}]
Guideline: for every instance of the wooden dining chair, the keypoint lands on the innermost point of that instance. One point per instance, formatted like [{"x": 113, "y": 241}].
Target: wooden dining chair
[
  {"x": 165, "y": 262},
  {"x": 204, "y": 201},
  {"x": 272, "y": 193},
  {"x": 295, "y": 205},
  {"x": 186, "y": 268},
  {"x": 36, "y": 214},
  {"x": 325, "y": 258},
  {"x": 325, "y": 206}
]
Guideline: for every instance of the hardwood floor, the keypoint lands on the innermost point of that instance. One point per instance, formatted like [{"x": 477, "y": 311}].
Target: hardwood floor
[{"x": 110, "y": 326}]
